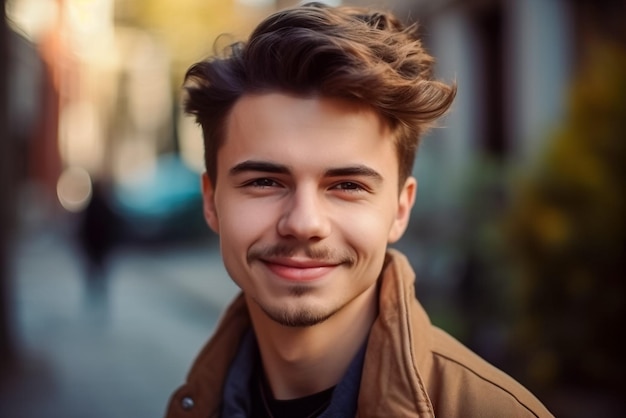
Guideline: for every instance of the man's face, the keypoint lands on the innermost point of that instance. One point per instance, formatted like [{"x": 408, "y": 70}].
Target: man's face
[{"x": 305, "y": 202}]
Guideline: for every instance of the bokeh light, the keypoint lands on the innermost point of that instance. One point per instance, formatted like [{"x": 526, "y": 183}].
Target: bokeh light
[{"x": 74, "y": 189}]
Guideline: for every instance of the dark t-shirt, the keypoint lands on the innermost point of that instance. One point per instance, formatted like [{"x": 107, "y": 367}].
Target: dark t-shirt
[
  {"x": 265, "y": 406},
  {"x": 243, "y": 396}
]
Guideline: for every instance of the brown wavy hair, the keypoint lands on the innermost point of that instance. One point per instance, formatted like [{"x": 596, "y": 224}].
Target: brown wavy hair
[{"x": 344, "y": 52}]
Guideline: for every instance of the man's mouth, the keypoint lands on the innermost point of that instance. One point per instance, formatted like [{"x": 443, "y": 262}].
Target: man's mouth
[{"x": 299, "y": 269}]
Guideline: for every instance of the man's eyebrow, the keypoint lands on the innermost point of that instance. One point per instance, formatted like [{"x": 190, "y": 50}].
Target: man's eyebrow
[
  {"x": 354, "y": 170},
  {"x": 262, "y": 166},
  {"x": 358, "y": 170}
]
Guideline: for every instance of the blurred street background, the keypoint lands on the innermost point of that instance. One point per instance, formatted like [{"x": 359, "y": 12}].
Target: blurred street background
[
  {"x": 110, "y": 282},
  {"x": 112, "y": 349}
]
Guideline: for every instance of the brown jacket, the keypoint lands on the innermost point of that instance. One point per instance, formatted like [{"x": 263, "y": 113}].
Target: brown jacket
[{"x": 412, "y": 369}]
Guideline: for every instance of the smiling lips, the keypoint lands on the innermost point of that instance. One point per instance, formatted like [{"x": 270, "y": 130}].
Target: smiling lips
[{"x": 299, "y": 270}]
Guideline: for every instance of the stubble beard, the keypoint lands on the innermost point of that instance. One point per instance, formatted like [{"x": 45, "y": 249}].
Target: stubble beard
[{"x": 301, "y": 317}]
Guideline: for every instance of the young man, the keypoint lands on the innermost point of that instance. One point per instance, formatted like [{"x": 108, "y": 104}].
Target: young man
[{"x": 310, "y": 131}]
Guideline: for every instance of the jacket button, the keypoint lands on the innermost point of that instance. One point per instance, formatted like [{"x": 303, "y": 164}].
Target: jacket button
[{"x": 187, "y": 403}]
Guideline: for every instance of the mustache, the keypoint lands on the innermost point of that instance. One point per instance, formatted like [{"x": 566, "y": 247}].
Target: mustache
[{"x": 322, "y": 254}]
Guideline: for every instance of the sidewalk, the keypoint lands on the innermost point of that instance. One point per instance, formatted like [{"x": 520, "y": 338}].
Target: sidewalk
[{"x": 118, "y": 353}]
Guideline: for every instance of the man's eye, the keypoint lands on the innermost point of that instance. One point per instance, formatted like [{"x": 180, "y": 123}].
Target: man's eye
[
  {"x": 349, "y": 186},
  {"x": 262, "y": 183}
]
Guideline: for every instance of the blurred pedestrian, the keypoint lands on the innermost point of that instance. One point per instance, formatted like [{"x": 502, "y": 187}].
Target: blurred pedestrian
[
  {"x": 97, "y": 236},
  {"x": 310, "y": 130}
]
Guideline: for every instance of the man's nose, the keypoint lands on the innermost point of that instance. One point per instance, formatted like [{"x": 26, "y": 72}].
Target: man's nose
[{"x": 305, "y": 217}]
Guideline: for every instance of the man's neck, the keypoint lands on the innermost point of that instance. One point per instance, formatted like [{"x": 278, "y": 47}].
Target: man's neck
[{"x": 303, "y": 361}]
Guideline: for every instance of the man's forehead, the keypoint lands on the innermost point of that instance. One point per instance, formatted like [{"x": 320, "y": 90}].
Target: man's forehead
[{"x": 264, "y": 104}]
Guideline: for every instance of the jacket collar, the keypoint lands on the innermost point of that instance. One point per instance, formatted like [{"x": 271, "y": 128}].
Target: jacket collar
[
  {"x": 208, "y": 373},
  {"x": 398, "y": 348}
]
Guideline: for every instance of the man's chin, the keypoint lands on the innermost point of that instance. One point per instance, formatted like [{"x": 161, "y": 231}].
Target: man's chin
[{"x": 302, "y": 318}]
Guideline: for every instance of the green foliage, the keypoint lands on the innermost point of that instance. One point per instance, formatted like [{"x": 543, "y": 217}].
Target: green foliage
[{"x": 567, "y": 234}]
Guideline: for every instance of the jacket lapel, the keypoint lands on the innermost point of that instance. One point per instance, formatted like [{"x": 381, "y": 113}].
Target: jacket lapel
[{"x": 398, "y": 345}]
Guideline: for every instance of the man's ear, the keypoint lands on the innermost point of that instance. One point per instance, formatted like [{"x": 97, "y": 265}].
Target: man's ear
[
  {"x": 403, "y": 214},
  {"x": 208, "y": 198}
]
